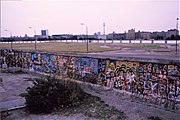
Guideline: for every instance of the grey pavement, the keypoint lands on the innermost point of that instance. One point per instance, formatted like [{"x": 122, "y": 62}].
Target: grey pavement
[
  {"x": 132, "y": 53},
  {"x": 11, "y": 87},
  {"x": 12, "y": 104},
  {"x": 161, "y": 55}
]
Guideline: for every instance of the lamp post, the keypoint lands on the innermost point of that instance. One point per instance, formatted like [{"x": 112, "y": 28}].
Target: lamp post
[
  {"x": 176, "y": 33},
  {"x": 86, "y": 36},
  {"x": 35, "y": 37},
  {"x": 10, "y": 37}
]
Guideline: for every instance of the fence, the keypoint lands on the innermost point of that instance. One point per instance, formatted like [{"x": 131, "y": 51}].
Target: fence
[
  {"x": 150, "y": 80},
  {"x": 105, "y": 41}
]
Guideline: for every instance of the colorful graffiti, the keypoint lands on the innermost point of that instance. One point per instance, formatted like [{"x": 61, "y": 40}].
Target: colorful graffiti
[
  {"x": 125, "y": 75},
  {"x": 86, "y": 69},
  {"x": 147, "y": 79},
  {"x": 86, "y": 66},
  {"x": 43, "y": 63}
]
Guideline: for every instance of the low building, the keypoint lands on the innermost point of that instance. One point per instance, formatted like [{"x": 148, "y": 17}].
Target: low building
[
  {"x": 130, "y": 35},
  {"x": 95, "y": 36},
  {"x": 138, "y": 35},
  {"x": 116, "y": 36},
  {"x": 145, "y": 35},
  {"x": 82, "y": 37},
  {"x": 172, "y": 33},
  {"x": 158, "y": 35},
  {"x": 102, "y": 37},
  {"x": 62, "y": 36}
]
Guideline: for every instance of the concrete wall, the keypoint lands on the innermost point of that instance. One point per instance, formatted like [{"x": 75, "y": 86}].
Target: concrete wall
[{"x": 155, "y": 80}]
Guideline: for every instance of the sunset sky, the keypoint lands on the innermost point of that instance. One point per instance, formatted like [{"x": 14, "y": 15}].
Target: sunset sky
[{"x": 66, "y": 16}]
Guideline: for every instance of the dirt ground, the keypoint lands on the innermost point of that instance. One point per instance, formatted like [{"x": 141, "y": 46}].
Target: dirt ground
[
  {"x": 117, "y": 103},
  {"x": 133, "y": 108}
]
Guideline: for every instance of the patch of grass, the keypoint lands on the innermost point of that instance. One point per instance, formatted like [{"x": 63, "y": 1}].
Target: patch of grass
[
  {"x": 151, "y": 46},
  {"x": 153, "y": 118}
]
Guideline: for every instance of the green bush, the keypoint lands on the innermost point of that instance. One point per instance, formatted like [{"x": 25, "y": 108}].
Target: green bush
[{"x": 49, "y": 94}]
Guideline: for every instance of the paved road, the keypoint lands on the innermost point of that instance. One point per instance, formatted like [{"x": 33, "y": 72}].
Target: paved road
[{"x": 140, "y": 54}]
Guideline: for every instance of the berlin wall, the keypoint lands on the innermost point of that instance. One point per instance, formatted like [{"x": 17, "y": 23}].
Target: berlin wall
[{"x": 149, "y": 79}]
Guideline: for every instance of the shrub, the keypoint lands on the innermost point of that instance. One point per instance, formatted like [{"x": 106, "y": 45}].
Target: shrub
[{"x": 49, "y": 94}]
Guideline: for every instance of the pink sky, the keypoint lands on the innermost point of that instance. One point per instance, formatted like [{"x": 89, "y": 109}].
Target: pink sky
[{"x": 66, "y": 16}]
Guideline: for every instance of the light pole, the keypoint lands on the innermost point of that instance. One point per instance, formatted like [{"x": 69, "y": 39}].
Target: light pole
[
  {"x": 86, "y": 36},
  {"x": 35, "y": 37},
  {"x": 10, "y": 37},
  {"x": 176, "y": 33}
]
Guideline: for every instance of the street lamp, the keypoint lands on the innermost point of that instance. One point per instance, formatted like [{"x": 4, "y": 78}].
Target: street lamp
[
  {"x": 35, "y": 37},
  {"x": 10, "y": 37},
  {"x": 176, "y": 33},
  {"x": 86, "y": 35}
]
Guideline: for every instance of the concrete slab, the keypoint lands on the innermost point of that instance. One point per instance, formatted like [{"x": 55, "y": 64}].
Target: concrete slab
[
  {"x": 13, "y": 85},
  {"x": 12, "y": 104}
]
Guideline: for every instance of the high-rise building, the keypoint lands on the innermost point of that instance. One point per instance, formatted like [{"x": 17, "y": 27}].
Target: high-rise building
[{"x": 44, "y": 33}]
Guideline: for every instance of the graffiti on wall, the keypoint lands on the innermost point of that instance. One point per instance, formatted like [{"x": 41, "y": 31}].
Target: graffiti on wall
[
  {"x": 43, "y": 62},
  {"x": 159, "y": 79},
  {"x": 8, "y": 58},
  {"x": 147, "y": 79},
  {"x": 68, "y": 66},
  {"x": 86, "y": 68},
  {"x": 125, "y": 74}
]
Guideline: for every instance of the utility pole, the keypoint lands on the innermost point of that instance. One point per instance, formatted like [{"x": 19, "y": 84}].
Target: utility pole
[
  {"x": 10, "y": 38},
  {"x": 86, "y": 36},
  {"x": 104, "y": 28},
  {"x": 35, "y": 37},
  {"x": 177, "y": 34}
]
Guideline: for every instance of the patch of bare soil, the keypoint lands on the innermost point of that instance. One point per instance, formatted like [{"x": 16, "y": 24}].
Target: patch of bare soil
[{"x": 91, "y": 108}]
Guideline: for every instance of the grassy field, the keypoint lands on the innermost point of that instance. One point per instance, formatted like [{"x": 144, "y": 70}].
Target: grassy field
[
  {"x": 77, "y": 47},
  {"x": 59, "y": 47}
]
